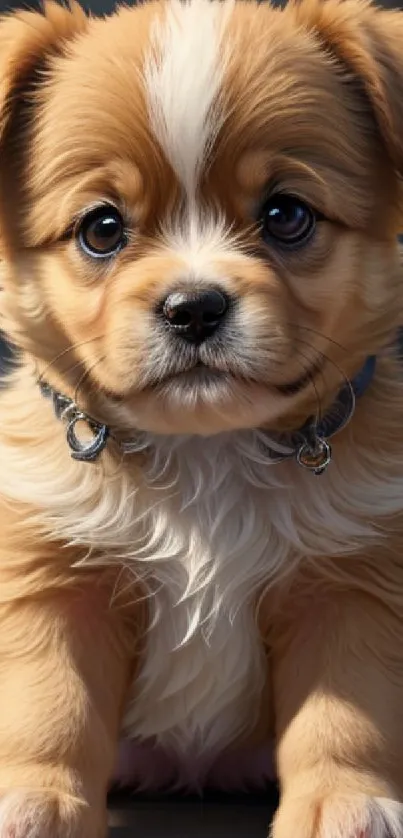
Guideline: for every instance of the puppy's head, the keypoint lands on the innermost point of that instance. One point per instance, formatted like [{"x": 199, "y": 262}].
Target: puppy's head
[{"x": 200, "y": 203}]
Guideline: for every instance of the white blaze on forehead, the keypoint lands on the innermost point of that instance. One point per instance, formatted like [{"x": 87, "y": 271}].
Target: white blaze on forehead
[
  {"x": 183, "y": 75},
  {"x": 200, "y": 239}
]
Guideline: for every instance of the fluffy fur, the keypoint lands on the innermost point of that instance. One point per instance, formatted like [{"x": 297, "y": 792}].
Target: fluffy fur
[{"x": 193, "y": 596}]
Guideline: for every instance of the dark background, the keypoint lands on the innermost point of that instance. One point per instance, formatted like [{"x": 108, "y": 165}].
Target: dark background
[{"x": 102, "y": 7}]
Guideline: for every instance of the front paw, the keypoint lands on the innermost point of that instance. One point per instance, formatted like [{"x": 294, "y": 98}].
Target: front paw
[
  {"x": 47, "y": 814},
  {"x": 338, "y": 816}
]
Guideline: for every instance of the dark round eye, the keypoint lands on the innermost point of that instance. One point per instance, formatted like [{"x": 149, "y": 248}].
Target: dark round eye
[
  {"x": 102, "y": 232},
  {"x": 287, "y": 220}
]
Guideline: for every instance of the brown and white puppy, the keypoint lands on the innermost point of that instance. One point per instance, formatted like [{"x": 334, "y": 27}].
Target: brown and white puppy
[{"x": 199, "y": 205}]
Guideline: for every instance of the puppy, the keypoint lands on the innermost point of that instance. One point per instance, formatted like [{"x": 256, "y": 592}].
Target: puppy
[{"x": 201, "y": 516}]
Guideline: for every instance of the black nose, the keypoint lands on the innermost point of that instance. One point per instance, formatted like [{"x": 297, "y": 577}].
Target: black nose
[{"x": 195, "y": 315}]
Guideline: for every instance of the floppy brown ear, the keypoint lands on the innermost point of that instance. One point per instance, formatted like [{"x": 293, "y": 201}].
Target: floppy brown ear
[
  {"x": 368, "y": 43},
  {"x": 28, "y": 40}
]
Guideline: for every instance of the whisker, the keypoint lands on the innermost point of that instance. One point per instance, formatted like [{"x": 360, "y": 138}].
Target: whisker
[
  {"x": 329, "y": 360},
  {"x": 311, "y": 378},
  {"x": 86, "y": 374},
  {"x": 319, "y": 335},
  {"x": 72, "y": 348},
  {"x": 65, "y": 352},
  {"x": 344, "y": 377}
]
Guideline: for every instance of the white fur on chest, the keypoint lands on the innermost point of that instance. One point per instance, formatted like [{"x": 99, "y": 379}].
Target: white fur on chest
[
  {"x": 217, "y": 522},
  {"x": 230, "y": 524},
  {"x": 204, "y": 669}
]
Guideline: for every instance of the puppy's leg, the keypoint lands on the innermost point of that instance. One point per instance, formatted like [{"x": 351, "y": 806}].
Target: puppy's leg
[
  {"x": 64, "y": 671},
  {"x": 338, "y": 683}
]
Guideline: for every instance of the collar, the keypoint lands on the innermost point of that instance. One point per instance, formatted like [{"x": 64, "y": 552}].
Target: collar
[{"x": 309, "y": 445}]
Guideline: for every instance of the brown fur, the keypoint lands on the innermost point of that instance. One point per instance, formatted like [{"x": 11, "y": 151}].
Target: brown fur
[{"x": 313, "y": 101}]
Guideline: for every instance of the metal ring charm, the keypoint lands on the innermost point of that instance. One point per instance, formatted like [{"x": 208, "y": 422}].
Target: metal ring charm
[
  {"x": 86, "y": 452},
  {"x": 60, "y": 404},
  {"x": 315, "y": 459}
]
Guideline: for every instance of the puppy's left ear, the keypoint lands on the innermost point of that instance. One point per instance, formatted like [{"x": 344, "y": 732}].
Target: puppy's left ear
[
  {"x": 28, "y": 41},
  {"x": 367, "y": 42}
]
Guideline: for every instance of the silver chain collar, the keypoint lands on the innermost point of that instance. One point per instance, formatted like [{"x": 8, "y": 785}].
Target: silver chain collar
[{"x": 309, "y": 447}]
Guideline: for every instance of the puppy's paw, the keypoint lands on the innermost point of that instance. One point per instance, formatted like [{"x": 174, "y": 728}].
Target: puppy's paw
[
  {"x": 339, "y": 816},
  {"x": 26, "y": 814}
]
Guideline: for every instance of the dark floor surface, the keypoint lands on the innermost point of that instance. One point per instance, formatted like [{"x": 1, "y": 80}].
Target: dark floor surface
[{"x": 244, "y": 817}]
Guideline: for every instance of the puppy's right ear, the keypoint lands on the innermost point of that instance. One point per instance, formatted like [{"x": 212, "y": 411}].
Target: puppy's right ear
[{"x": 28, "y": 41}]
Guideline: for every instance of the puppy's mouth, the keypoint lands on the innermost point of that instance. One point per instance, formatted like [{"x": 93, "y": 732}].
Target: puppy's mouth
[
  {"x": 200, "y": 375},
  {"x": 308, "y": 377},
  {"x": 206, "y": 376}
]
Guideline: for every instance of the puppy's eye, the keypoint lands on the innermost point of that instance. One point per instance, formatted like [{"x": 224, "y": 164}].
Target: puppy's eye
[
  {"x": 101, "y": 232},
  {"x": 287, "y": 221}
]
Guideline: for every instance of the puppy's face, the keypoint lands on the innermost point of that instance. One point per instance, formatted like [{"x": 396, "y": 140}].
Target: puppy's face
[{"x": 200, "y": 205}]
